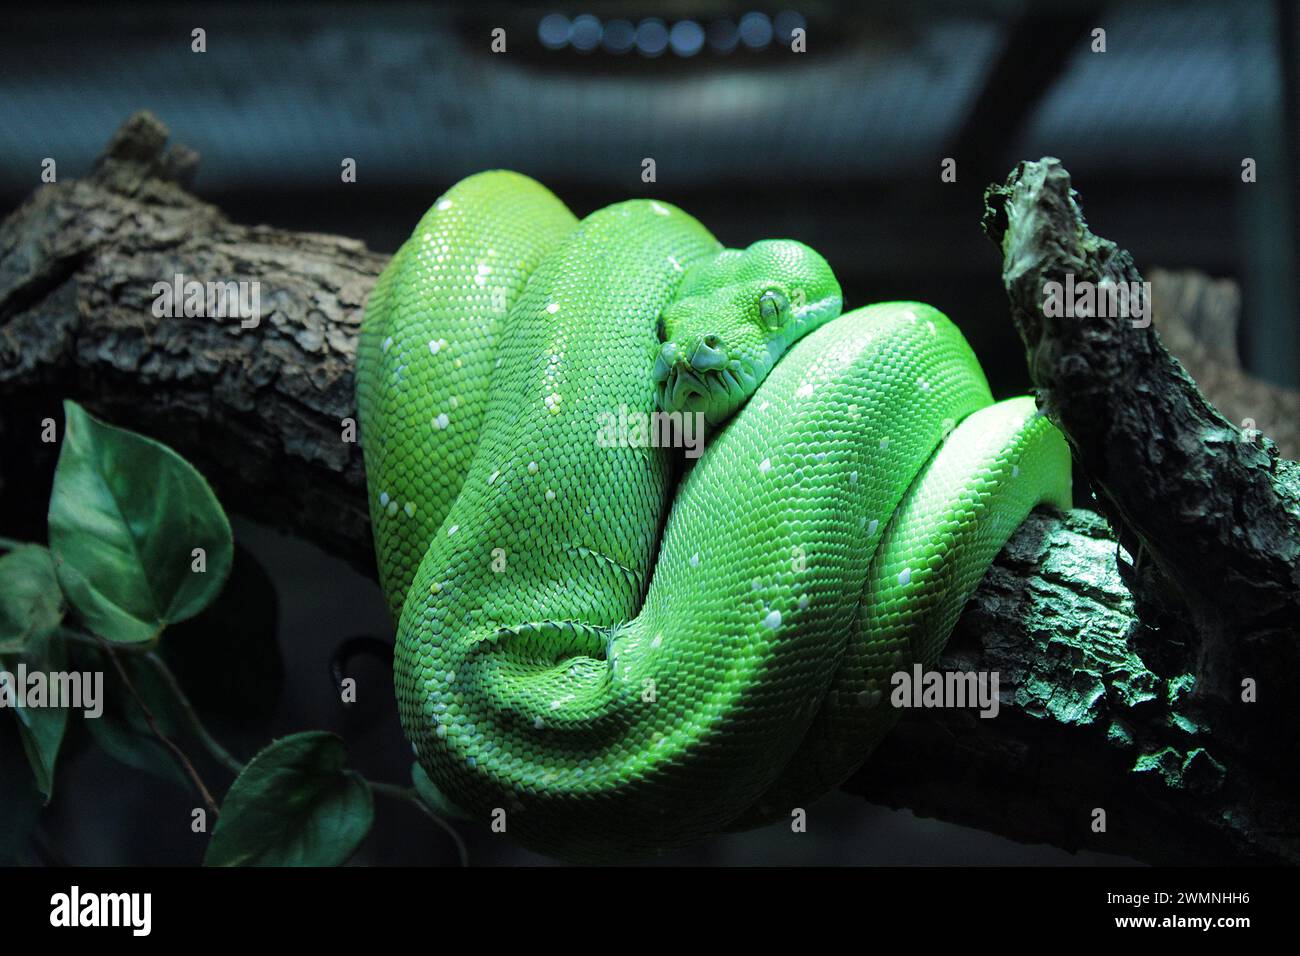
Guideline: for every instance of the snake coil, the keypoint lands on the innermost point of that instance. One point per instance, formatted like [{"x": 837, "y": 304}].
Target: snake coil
[{"x": 622, "y": 662}]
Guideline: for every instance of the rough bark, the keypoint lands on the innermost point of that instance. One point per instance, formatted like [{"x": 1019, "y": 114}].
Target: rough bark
[
  {"x": 1099, "y": 710},
  {"x": 1208, "y": 511},
  {"x": 262, "y": 410}
]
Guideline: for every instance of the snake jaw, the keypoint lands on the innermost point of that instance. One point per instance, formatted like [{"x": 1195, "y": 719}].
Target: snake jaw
[
  {"x": 716, "y": 392},
  {"x": 664, "y": 363}
]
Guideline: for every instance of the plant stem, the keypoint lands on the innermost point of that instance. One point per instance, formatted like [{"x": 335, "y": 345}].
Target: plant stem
[
  {"x": 410, "y": 794},
  {"x": 213, "y": 746},
  {"x": 210, "y": 743},
  {"x": 91, "y": 640},
  {"x": 176, "y": 751}
]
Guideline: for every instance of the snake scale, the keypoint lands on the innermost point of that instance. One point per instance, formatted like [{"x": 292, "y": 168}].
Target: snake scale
[{"x": 621, "y": 650}]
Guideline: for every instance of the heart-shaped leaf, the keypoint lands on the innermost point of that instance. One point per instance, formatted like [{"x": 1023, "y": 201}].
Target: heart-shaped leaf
[
  {"x": 127, "y": 516},
  {"x": 293, "y": 805}
]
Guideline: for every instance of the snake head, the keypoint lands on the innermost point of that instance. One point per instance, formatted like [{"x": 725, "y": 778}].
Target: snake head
[{"x": 734, "y": 316}]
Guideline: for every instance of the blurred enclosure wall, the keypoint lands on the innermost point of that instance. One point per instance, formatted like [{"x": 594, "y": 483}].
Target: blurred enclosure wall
[{"x": 840, "y": 146}]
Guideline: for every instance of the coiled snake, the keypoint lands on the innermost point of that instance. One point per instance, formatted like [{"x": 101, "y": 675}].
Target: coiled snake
[{"x": 617, "y": 658}]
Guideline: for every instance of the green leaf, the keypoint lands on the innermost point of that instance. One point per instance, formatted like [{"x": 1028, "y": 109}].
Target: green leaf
[
  {"x": 31, "y": 604},
  {"x": 294, "y": 805},
  {"x": 40, "y": 728},
  {"x": 126, "y": 514},
  {"x": 435, "y": 799}
]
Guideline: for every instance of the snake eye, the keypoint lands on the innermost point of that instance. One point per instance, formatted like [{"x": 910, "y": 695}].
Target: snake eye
[{"x": 773, "y": 309}]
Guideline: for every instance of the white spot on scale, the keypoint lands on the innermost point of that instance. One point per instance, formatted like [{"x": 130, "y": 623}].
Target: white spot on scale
[
  {"x": 442, "y": 421},
  {"x": 493, "y": 477},
  {"x": 806, "y": 389},
  {"x": 538, "y": 723},
  {"x": 442, "y": 730},
  {"x": 884, "y": 443},
  {"x": 931, "y": 329},
  {"x": 388, "y": 343},
  {"x": 532, "y": 467},
  {"x": 550, "y": 495},
  {"x": 658, "y": 209},
  {"x": 553, "y": 308},
  {"x": 905, "y": 576},
  {"x": 391, "y": 509},
  {"x": 911, "y": 316},
  {"x": 765, "y": 465},
  {"x": 871, "y": 528},
  {"x": 437, "y": 346},
  {"x": 803, "y": 602},
  {"x": 695, "y": 560},
  {"x": 672, "y": 261},
  {"x": 471, "y": 762},
  {"x": 1015, "y": 471},
  {"x": 657, "y": 642},
  {"x": 853, "y": 477},
  {"x": 922, "y": 384},
  {"x": 452, "y": 530},
  {"x": 773, "y": 620},
  {"x": 443, "y": 205},
  {"x": 383, "y": 499},
  {"x": 410, "y": 509}
]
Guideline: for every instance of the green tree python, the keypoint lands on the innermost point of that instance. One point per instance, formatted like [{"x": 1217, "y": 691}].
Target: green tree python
[{"x": 614, "y": 648}]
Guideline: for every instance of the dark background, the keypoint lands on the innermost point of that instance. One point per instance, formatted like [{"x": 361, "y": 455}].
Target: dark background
[{"x": 839, "y": 147}]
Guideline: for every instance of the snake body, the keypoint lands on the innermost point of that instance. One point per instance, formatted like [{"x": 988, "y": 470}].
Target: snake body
[{"x": 617, "y": 659}]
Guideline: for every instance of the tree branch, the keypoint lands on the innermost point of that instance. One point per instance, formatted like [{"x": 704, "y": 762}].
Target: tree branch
[
  {"x": 1210, "y": 513},
  {"x": 260, "y": 411},
  {"x": 1098, "y": 710}
]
